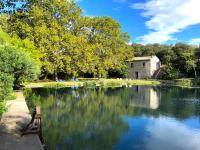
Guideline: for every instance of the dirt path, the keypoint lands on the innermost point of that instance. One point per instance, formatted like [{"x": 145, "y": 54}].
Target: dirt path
[{"x": 12, "y": 121}]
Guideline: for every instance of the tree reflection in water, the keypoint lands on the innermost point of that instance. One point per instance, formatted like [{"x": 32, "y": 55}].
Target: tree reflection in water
[{"x": 92, "y": 119}]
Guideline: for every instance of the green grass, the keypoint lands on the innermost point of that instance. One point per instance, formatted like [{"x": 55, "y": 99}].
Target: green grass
[
  {"x": 94, "y": 82},
  {"x": 54, "y": 84},
  {"x": 187, "y": 82},
  {"x": 125, "y": 82},
  {"x": 90, "y": 83},
  {"x": 184, "y": 82}
]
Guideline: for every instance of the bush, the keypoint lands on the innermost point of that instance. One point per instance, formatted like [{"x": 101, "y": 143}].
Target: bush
[
  {"x": 18, "y": 64},
  {"x": 2, "y": 107},
  {"x": 119, "y": 73},
  {"x": 6, "y": 85},
  {"x": 169, "y": 73}
]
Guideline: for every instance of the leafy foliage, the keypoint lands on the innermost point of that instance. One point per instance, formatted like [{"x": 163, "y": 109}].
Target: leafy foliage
[
  {"x": 18, "y": 64},
  {"x": 70, "y": 44},
  {"x": 169, "y": 73},
  {"x": 2, "y": 108},
  {"x": 6, "y": 84},
  {"x": 182, "y": 58}
]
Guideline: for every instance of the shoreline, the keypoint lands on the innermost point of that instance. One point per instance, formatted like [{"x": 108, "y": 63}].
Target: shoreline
[
  {"x": 93, "y": 83},
  {"x": 106, "y": 83}
]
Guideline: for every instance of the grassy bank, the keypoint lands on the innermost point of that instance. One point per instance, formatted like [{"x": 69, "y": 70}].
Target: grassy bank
[
  {"x": 94, "y": 82},
  {"x": 184, "y": 82}
]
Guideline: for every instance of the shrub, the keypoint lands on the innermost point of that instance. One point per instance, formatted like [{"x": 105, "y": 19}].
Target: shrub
[
  {"x": 119, "y": 73},
  {"x": 17, "y": 64},
  {"x": 6, "y": 84},
  {"x": 2, "y": 107},
  {"x": 89, "y": 84},
  {"x": 169, "y": 73}
]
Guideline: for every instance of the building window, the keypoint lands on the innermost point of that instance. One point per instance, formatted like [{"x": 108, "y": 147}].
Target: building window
[
  {"x": 144, "y": 64},
  {"x": 132, "y": 65}
]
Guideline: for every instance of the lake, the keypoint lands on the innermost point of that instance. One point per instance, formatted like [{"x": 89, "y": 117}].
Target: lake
[{"x": 135, "y": 118}]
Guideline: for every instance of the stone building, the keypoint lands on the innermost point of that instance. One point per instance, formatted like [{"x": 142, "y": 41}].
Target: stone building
[{"x": 144, "y": 67}]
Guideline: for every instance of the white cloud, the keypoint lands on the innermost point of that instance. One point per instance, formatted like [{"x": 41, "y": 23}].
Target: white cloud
[
  {"x": 195, "y": 41},
  {"x": 167, "y": 17}
]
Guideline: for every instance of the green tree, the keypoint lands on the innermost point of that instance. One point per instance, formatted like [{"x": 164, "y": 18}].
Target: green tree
[
  {"x": 185, "y": 58},
  {"x": 70, "y": 43},
  {"x": 197, "y": 56},
  {"x": 169, "y": 73},
  {"x": 111, "y": 45}
]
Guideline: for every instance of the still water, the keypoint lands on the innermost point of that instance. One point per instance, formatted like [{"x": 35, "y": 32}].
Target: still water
[{"x": 136, "y": 118}]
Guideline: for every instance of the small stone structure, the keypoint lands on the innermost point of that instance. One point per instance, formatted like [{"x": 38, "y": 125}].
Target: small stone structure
[{"x": 144, "y": 67}]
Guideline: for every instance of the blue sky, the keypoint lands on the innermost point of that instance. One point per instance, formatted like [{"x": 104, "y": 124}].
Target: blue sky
[{"x": 151, "y": 21}]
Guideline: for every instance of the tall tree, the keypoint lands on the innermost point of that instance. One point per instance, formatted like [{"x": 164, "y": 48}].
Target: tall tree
[
  {"x": 110, "y": 44},
  {"x": 185, "y": 59},
  {"x": 70, "y": 43}
]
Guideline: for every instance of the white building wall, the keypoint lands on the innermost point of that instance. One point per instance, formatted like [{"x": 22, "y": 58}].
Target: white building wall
[
  {"x": 155, "y": 64},
  {"x": 147, "y": 71}
]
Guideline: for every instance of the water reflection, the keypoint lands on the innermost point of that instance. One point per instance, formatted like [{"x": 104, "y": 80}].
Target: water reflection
[
  {"x": 145, "y": 97},
  {"x": 171, "y": 135},
  {"x": 121, "y": 118},
  {"x": 162, "y": 133}
]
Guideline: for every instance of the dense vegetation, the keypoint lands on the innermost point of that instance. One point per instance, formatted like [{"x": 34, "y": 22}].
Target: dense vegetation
[
  {"x": 54, "y": 36},
  {"x": 71, "y": 44},
  {"x": 17, "y": 66},
  {"x": 179, "y": 60}
]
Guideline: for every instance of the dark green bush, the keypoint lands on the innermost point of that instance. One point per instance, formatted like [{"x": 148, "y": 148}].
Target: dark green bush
[
  {"x": 6, "y": 85},
  {"x": 18, "y": 64},
  {"x": 169, "y": 73}
]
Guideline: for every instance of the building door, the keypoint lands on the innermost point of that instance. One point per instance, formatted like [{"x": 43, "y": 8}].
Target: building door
[{"x": 137, "y": 75}]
